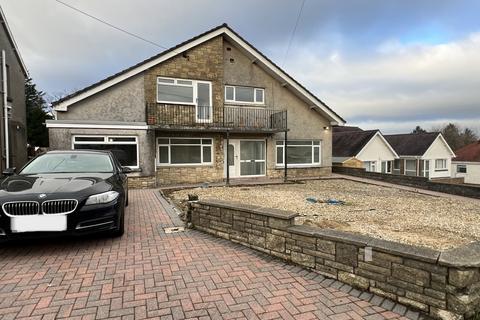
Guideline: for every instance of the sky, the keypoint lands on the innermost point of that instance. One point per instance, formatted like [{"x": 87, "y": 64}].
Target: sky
[{"x": 383, "y": 64}]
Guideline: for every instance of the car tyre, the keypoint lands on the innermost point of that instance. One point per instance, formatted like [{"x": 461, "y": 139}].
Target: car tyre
[{"x": 120, "y": 230}]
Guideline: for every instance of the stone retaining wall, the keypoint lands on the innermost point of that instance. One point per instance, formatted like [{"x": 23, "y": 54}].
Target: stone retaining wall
[
  {"x": 412, "y": 181},
  {"x": 443, "y": 285},
  {"x": 141, "y": 182}
]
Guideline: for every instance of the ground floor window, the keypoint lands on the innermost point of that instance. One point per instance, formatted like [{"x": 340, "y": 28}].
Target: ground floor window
[
  {"x": 370, "y": 166},
  {"x": 125, "y": 148},
  {"x": 299, "y": 153},
  {"x": 184, "y": 151},
  {"x": 461, "y": 168},
  {"x": 426, "y": 169},
  {"x": 440, "y": 164},
  {"x": 386, "y": 166},
  {"x": 411, "y": 167},
  {"x": 396, "y": 166}
]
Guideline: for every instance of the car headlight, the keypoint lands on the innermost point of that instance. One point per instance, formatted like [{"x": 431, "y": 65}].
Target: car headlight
[{"x": 105, "y": 197}]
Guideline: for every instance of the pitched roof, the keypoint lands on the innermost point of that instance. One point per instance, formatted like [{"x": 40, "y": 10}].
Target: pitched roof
[
  {"x": 224, "y": 30},
  {"x": 411, "y": 144},
  {"x": 470, "y": 153},
  {"x": 350, "y": 143},
  {"x": 4, "y": 23},
  {"x": 345, "y": 128}
]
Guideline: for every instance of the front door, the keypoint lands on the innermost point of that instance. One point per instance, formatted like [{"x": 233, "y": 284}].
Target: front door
[{"x": 246, "y": 158}]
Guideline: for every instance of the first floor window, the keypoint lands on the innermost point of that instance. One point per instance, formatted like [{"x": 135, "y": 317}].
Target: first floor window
[
  {"x": 461, "y": 168},
  {"x": 440, "y": 164},
  {"x": 411, "y": 167},
  {"x": 184, "y": 151},
  {"x": 125, "y": 148},
  {"x": 299, "y": 152},
  {"x": 244, "y": 94}
]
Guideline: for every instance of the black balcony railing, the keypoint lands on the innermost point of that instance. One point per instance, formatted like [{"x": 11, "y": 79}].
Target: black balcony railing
[{"x": 228, "y": 117}]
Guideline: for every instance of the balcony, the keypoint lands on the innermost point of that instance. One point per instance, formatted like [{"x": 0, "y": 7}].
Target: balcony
[{"x": 231, "y": 118}]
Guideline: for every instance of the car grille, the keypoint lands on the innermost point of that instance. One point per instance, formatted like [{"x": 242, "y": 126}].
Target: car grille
[
  {"x": 21, "y": 208},
  {"x": 59, "y": 206}
]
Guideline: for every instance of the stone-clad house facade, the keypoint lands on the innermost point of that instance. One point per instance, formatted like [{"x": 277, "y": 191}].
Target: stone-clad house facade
[{"x": 171, "y": 117}]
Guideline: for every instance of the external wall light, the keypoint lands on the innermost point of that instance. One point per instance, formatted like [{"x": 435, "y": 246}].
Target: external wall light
[{"x": 326, "y": 128}]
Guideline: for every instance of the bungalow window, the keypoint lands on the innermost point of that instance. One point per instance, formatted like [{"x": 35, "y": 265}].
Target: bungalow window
[
  {"x": 411, "y": 167},
  {"x": 244, "y": 94},
  {"x": 125, "y": 148},
  {"x": 440, "y": 164},
  {"x": 300, "y": 153},
  {"x": 396, "y": 166},
  {"x": 184, "y": 151},
  {"x": 461, "y": 168},
  {"x": 370, "y": 166},
  {"x": 386, "y": 166}
]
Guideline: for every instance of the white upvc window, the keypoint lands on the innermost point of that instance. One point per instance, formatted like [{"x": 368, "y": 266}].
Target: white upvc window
[
  {"x": 249, "y": 95},
  {"x": 184, "y": 151},
  {"x": 410, "y": 167},
  {"x": 187, "y": 92},
  {"x": 440, "y": 164},
  {"x": 300, "y": 153},
  {"x": 386, "y": 166},
  {"x": 125, "y": 148}
]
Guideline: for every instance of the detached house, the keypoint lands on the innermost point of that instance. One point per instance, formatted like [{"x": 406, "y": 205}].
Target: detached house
[
  {"x": 369, "y": 148},
  {"x": 421, "y": 154},
  {"x": 466, "y": 164},
  {"x": 209, "y": 109}
]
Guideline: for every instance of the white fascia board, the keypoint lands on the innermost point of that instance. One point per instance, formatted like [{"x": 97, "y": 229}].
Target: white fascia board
[
  {"x": 383, "y": 139},
  {"x": 96, "y": 126},
  {"x": 440, "y": 136},
  {"x": 62, "y": 106}
]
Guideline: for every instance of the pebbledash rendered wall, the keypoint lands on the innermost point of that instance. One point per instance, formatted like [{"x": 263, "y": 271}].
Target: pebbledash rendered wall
[{"x": 442, "y": 285}]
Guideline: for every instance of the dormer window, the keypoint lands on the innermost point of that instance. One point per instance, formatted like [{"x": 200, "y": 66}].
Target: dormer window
[{"x": 249, "y": 95}]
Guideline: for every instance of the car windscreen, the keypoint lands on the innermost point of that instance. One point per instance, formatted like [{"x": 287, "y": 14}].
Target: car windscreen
[{"x": 69, "y": 163}]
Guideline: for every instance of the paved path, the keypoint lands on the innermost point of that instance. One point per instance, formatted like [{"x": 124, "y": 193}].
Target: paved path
[{"x": 150, "y": 274}]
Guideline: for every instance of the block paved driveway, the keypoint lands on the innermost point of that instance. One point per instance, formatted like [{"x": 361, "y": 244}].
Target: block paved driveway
[{"x": 150, "y": 274}]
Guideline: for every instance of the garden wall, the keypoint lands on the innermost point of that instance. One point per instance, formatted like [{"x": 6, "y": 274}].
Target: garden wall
[
  {"x": 444, "y": 285},
  {"x": 412, "y": 181}
]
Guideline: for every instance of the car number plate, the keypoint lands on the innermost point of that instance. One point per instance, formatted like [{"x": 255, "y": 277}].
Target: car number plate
[{"x": 38, "y": 223}]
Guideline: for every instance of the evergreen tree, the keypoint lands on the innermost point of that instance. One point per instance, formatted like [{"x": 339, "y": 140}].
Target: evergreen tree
[{"x": 37, "y": 132}]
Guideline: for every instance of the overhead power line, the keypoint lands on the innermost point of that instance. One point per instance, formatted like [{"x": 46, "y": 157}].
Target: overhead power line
[
  {"x": 293, "y": 31},
  {"x": 111, "y": 25}
]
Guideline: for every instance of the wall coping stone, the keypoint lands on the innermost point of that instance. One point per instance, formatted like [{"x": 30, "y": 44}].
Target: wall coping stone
[
  {"x": 274, "y": 213},
  {"x": 465, "y": 256}
]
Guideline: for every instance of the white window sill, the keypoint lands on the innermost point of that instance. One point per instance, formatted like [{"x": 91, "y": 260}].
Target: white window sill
[
  {"x": 177, "y": 103},
  {"x": 184, "y": 165},
  {"x": 304, "y": 166},
  {"x": 244, "y": 104}
]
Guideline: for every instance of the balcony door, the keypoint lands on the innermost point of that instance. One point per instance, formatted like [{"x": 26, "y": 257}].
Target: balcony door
[
  {"x": 246, "y": 158},
  {"x": 204, "y": 102}
]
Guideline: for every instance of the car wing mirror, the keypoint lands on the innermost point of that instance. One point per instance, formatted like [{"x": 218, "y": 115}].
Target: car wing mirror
[
  {"x": 9, "y": 171},
  {"x": 126, "y": 170}
]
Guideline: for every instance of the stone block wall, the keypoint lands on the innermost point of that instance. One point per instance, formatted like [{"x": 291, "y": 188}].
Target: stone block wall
[
  {"x": 442, "y": 285},
  {"x": 141, "y": 182},
  {"x": 203, "y": 62},
  {"x": 412, "y": 181}
]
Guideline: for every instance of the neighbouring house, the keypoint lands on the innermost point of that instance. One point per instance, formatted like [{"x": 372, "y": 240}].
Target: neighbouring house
[
  {"x": 466, "y": 164},
  {"x": 209, "y": 109},
  {"x": 13, "y": 124},
  {"x": 353, "y": 147},
  {"x": 421, "y": 154}
]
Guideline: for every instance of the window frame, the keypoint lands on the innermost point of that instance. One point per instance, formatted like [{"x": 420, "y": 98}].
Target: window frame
[
  {"x": 443, "y": 168},
  {"x": 464, "y": 166},
  {"x": 255, "y": 89},
  {"x": 299, "y": 165},
  {"x": 106, "y": 141},
  {"x": 201, "y": 144},
  {"x": 405, "y": 168}
]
